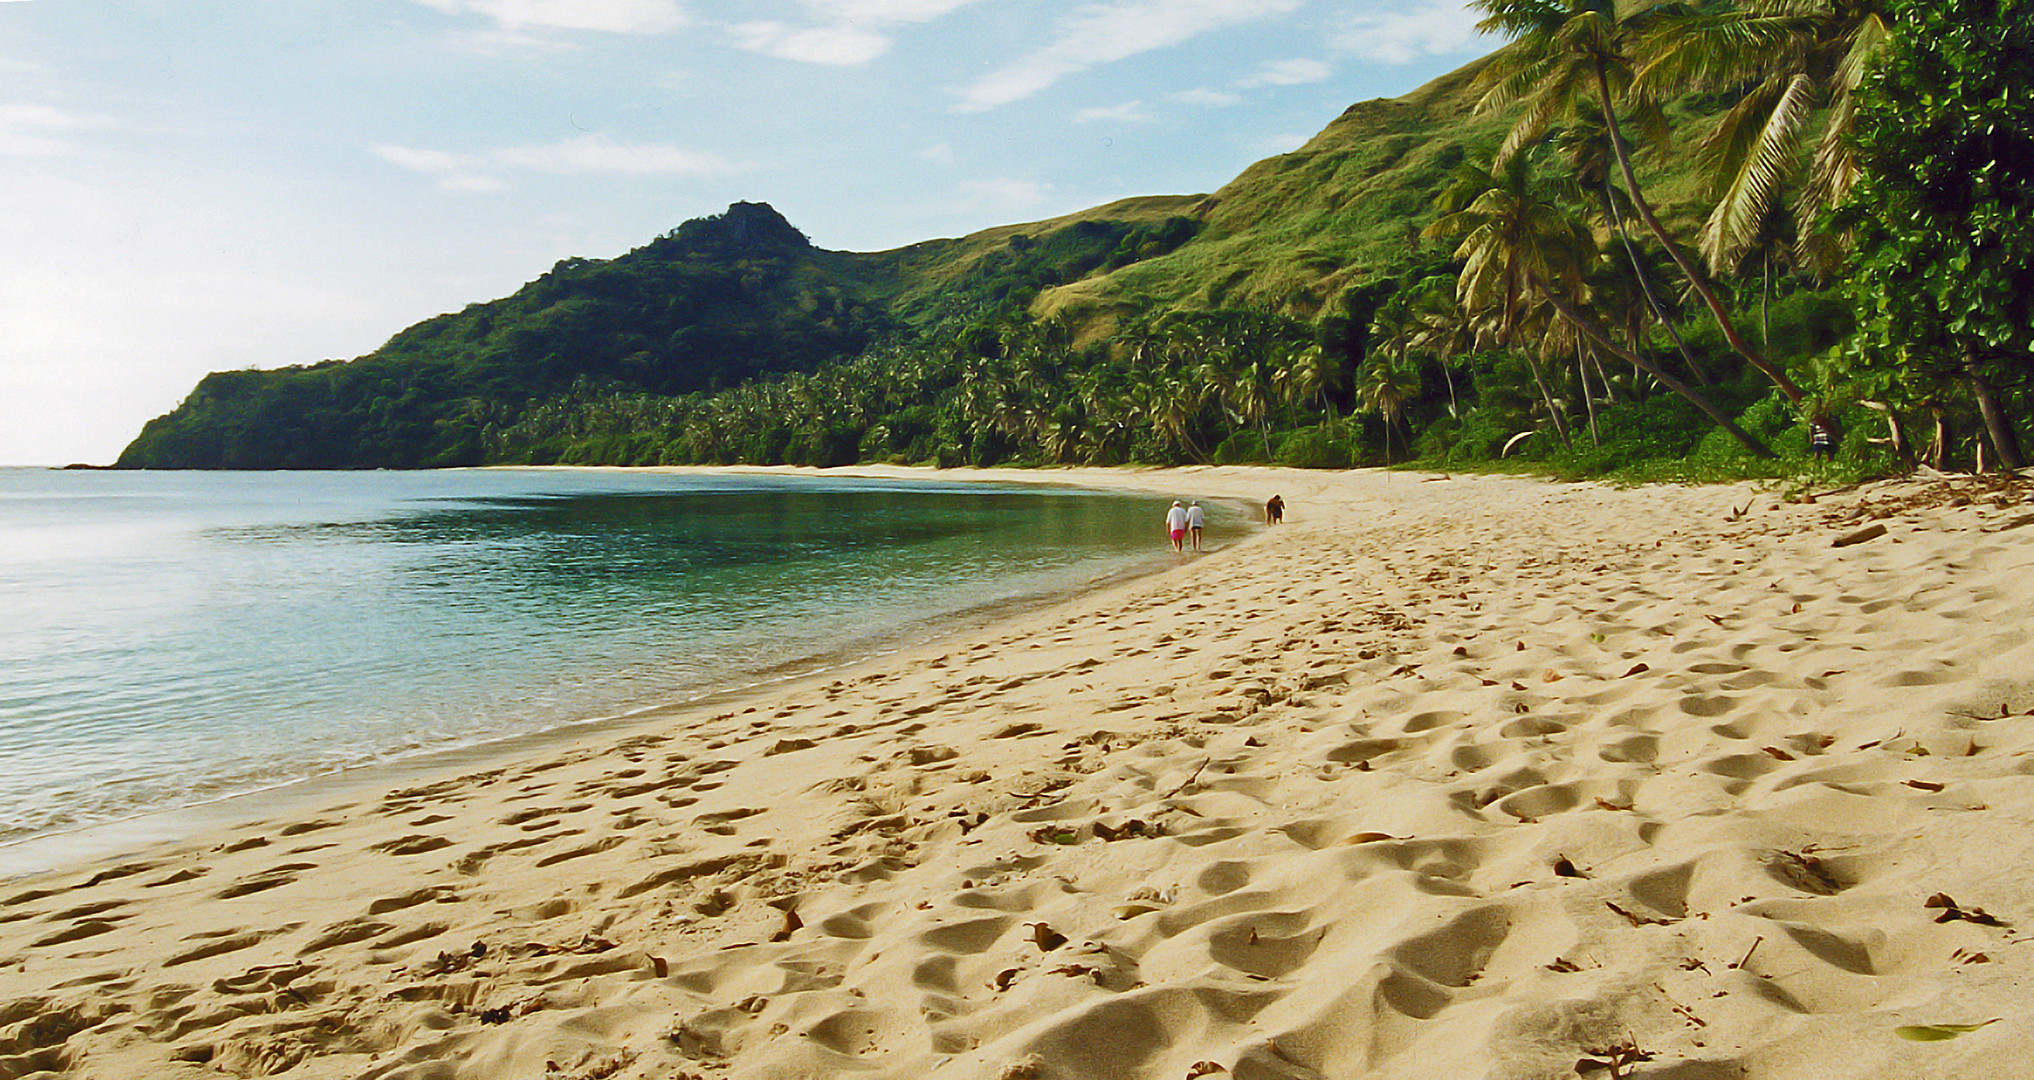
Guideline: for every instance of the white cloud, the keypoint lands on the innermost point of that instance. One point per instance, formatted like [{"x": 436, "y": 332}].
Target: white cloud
[
  {"x": 1289, "y": 73},
  {"x": 610, "y": 16},
  {"x": 1105, "y": 33},
  {"x": 1130, "y": 112},
  {"x": 846, "y": 31},
  {"x": 42, "y": 130},
  {"x": 939, "y": 154},
  {"x": 887, "y": 12},
  {"x": 455, "y": 172},
  {"x": 839, "y": 45},
  {"x": 1217, "y": 99},
  {"x": 585, "y": 154},
  {"x": 1432, "y": 28}
]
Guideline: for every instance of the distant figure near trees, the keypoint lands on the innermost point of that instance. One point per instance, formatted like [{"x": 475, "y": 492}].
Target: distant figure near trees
[
  {"x": 1274, "y": 510},
  {"x": 1197, "y": 521},
  {"x": 1822, "y": 437}
]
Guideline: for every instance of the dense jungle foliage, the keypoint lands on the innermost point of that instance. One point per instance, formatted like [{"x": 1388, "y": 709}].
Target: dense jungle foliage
[{"x": 1660, "y": 241}]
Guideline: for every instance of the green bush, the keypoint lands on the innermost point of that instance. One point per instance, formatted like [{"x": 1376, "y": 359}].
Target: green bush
[
  {"x": 1245, "y": 447},
  {"x": 1315, "y": 448}
]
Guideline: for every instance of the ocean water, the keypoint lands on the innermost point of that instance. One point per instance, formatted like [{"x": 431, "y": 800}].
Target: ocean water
[{"x": 167, "y": 639}]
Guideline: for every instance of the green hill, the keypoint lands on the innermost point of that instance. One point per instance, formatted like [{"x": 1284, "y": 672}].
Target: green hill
[
  {"x": 1294, "y": 230},
  {"x": 741, "y": 297}
]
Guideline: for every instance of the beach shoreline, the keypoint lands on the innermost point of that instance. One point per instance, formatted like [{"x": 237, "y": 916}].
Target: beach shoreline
[
  {"x": 78, "y": 845},
  {"x": 1477, "y": 775}
]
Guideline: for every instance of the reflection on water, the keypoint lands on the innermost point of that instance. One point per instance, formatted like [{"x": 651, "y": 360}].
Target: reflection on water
[{"x": 176, "y": 637}]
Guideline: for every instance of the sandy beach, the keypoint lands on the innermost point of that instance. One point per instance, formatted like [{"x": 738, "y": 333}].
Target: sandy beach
[{"x": 1457, "y": 776}]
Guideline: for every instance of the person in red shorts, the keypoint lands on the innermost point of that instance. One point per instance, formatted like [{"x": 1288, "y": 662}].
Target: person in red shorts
[{"x": 1176, "y": 525}]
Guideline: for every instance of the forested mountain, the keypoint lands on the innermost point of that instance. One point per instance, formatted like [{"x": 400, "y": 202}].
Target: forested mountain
[
  {"x": 721, "y": 301},
  {"x": 1659, "y": 241}
]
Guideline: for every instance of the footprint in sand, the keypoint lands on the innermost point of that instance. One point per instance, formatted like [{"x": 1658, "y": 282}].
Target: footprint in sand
[
  {"x": 968, "y": 937},
  {"x": 272, "y": 878},
  {"x": 435, "y": 894},
  {"x": 344, "y": 933},
  {"x": 414, "y": 844},
  {"x": 75, "y": 932},
  {"x": 1266, "y": 944},
  {"x": 593, "y": 848},
  {"x": 218, "y": 943}
]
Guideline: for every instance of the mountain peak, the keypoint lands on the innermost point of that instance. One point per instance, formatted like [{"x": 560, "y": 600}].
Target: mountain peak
[{"x": 744, "y": 226}]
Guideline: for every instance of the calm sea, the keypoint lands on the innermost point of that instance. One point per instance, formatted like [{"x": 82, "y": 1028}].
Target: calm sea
[{"x": 172, "y": 638}]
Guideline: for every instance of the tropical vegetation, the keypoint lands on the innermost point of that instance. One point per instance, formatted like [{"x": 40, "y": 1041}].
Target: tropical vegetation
[{"x": 1640, "y": 239}]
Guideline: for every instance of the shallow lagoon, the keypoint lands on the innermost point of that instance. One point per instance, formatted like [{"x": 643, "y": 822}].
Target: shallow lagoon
[{"x": 178, "y": 637}]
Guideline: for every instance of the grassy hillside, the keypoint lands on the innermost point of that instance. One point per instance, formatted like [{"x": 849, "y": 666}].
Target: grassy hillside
[
  {"x": 741, "y": 297},
  {"x": 1294, "y": 230}
]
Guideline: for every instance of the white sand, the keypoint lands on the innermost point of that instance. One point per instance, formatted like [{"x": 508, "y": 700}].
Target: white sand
[{"x": 1474, "y": 777}]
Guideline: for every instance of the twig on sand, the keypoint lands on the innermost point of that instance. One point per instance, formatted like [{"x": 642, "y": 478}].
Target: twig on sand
[{"x": 1189, "y": 781}]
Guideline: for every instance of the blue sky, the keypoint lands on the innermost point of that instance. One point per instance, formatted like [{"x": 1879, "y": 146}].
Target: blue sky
[{"x": 204, "y": 186}]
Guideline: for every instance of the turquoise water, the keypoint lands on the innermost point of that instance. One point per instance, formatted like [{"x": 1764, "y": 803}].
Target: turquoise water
[{"x": 172, "y": 638}]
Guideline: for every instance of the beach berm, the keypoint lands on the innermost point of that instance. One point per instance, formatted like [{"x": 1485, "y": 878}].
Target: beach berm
[{"x": 1449, "y": 777}]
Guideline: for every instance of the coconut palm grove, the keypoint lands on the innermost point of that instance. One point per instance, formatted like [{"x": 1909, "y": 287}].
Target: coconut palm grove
[{"x": 1643, "y": 241}]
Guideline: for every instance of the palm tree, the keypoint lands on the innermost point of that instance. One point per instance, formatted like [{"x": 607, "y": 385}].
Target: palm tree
[
  {"x": 1516, "y": 241},
  {"x": 1775, "y": 243},
  {"x": 1789, "y": 61},
  {"x": 1587, "y": 147},
  {"x": 1301, "y": 372},
  {"x": 1248, "y": 392},
  {"x": 1519, "y": 246},
  {"x": 1384, "y": 385},
  {"x": 1174, "y": 409},
  {"x": 1445, "y": 329},
  {"x": 1562, "y": 52},
  {"x": 1558, "y": 338}
]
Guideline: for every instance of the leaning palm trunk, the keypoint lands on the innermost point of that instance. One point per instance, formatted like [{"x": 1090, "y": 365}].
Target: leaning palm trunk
[
  {"x": 1602, "y": 341},
  {"x": 1545, "y": 396},
  {"x": 1766, "y": 305},
  {"x": 1695, "y": 279},
  {"x": 1588, "y": 401},
  {"x": 1646, "y": 284},
  {"x": 1602, "y": 379},
  {"x": 1515, "y": 278}
]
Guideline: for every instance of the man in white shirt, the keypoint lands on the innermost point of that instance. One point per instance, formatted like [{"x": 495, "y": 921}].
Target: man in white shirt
[
  {"x": 1176, "y": 525},
  {"x": 1197, "y": 519}
]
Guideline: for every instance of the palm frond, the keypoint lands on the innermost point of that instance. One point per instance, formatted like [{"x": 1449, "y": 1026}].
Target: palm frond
[
  {"x": 1519, "y": 17},
  {"x": 1645, "y": 122},
  {"x": 1834, "y": 167},
  {"x": 1717, "y": 51},
  {"x": 1863, "y": 45},
  {"x": 1820, "y": 251},
  {"x": 1541, "y": 111},
  {"x": 1752, "y": 186},
  {"x": 1513, "y": 77},
  {"x": 1792, "y": 9},
  {"x": 1722, "y": 152}
]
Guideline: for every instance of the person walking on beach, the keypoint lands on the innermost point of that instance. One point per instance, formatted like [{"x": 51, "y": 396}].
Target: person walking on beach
[
  {"x": 1274, "y": 510},
  {"x": 1197, "y": 520},
  {"x": 1176, "y": 525}
]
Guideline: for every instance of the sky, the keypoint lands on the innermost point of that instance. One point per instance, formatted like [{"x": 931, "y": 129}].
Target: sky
[{"x": 202, "y": 186}]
